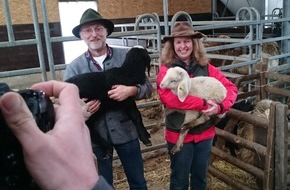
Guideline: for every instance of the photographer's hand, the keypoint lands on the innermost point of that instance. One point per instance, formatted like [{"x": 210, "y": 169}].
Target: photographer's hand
[{"x": 61, "y": 158}]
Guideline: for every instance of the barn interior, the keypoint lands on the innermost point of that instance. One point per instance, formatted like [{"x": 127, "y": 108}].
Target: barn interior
[{"x": 248, "y": 40}]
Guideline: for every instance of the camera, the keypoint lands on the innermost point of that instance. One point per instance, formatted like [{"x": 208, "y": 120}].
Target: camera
[{"x": 13, "y": 173}]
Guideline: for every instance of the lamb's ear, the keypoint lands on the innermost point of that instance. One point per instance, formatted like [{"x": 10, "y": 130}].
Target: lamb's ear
[
  {"x": 179, "y": 73},
  {"x": 183, "y": 89}
]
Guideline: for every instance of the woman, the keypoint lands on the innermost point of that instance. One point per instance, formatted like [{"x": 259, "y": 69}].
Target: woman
[{"x": 184, "y": 48}]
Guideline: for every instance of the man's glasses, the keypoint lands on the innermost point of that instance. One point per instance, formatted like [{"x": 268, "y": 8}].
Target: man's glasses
[{"x": 90, "y": 31}]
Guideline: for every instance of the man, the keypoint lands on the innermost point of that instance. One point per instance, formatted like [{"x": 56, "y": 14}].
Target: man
[{"x": 115, "y": 127}]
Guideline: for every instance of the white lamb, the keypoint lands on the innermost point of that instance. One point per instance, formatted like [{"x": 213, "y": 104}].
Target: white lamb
[{"x": 208, "y": 88}]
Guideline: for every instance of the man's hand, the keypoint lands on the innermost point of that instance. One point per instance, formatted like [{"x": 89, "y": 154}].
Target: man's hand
[
  {"x": 122, "y": 92},
  {"x": 93, "y": 106}
]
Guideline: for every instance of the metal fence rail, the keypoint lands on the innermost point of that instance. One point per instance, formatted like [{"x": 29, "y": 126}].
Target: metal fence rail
[
  {"x": 12, "y": 42},
  {"x": 150, "y": 30},
  {"x": 140, "y": 30}
]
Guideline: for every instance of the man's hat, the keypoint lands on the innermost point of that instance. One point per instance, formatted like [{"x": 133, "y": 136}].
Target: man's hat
[
  {"x": 182, "y": 29},
  {"x": 90, "y": 15}
]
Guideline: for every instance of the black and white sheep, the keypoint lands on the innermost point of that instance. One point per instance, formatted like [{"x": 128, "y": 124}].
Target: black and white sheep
[
  {"x": 255, "y": 134},
  {"x": 96, "y": 85},
  {"x": 245, "y": 105},
  {"x": 208, "y": 88}
]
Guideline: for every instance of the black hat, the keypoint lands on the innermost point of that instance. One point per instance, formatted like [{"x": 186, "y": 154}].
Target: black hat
[{"x": 91, "y": 15}]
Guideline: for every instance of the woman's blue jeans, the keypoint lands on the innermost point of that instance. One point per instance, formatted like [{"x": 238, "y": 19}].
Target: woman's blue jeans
[
  {"x": 132, "y": 162},
  {"x": 190, "y": 164}
]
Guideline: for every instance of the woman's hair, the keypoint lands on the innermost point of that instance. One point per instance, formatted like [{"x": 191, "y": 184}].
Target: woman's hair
[{"x": 168, "y": 55}]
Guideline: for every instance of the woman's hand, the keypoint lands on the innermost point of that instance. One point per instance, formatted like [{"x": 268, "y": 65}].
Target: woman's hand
[{"x": 212, "y": 109}]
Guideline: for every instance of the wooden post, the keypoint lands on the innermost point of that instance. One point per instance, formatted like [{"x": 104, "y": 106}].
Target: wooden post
[
  {"x": 269, "y": 158},
  {"x": 261, "y": 84},
  {"x": 281, "y": 147}
]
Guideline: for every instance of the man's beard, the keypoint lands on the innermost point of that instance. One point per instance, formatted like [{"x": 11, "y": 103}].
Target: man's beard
[{"x": 97, "y": 46}]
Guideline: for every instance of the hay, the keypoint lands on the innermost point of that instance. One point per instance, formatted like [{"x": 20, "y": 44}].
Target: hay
[
  {"x": 157, "y": 174},
  {"x": 262, "y": 108},
  {"x": 156, "y": 169},
  {"x": 234, "y": 172}
]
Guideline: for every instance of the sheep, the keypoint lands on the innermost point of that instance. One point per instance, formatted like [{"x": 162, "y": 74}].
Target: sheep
[
  {"x": 230, "y": 52},
  {"x": 254, "y": 134},
  {"x": 84, "y": 107},
  {"x": 209, "y": 88},
  {"x": 96, "y": 85},
  {"x": 268, "y": 50},
  {"x": 245, "y": 105}
]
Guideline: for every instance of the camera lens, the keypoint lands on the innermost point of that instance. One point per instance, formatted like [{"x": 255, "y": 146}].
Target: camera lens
[
  {"x": 4, "y": 88},
  {"x": 13, "y": 173}
]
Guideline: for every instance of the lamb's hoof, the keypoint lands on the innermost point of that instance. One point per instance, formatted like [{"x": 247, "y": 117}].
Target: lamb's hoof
[
  {"x": 184, "y": 128},
  {"x": 174, "y": 150},
  {"x": 154, "y": 130},
  {"x": 147, "y": 142},
  {"x": 108, "y": 155}
]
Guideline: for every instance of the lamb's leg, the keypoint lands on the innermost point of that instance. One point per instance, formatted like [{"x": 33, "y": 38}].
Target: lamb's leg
[
  {"x": 161, "y": 117},
  {"x": 190, "y": 116},
  {"x": 160, "y": 120},
  {"x": 96, "y": 137},
  {"x": 136, "y": 117},
  {"x": 190, "y": 122},
  {"x": 142, "y": 131},
  {"x": 180, "y": 140}
]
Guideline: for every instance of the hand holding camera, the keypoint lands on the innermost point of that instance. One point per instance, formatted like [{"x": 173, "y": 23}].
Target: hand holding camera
[
  {"x": 61, "y": 158},
  {"x": 13, "y": 173}
]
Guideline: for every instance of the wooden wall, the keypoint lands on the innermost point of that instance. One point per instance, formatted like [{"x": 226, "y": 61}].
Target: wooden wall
[
  {"x": 131, "y": 8},
  {"x": 21, "y": 11},
  {"x": 22, "y": 57},
  {"x": 111, "y": 9}
]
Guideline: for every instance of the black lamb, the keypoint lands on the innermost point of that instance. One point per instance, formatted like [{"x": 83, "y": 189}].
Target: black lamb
[{"x": 97, "y": 84}]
